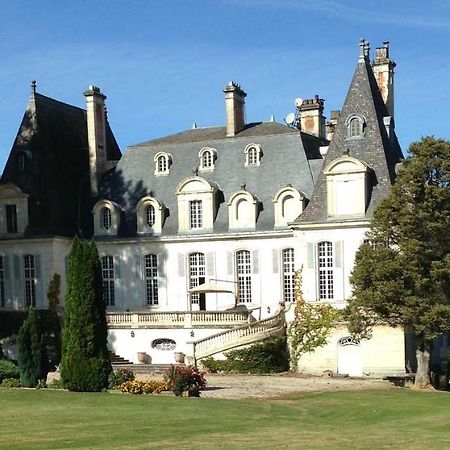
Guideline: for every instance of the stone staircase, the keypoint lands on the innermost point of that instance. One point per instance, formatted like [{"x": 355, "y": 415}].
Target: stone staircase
[
  {"x": 117, "y": 360},
  {"x": 240, "y": 336}
]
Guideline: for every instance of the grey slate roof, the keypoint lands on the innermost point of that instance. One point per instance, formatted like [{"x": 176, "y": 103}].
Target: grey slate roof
[
  {"x": 289, "y": 157},
  {"x": 376, "y": 149},
  {"x": 54, "y": 136}
]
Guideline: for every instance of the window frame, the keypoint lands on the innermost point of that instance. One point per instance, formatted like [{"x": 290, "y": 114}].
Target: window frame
[
  {"x": 195, "y": 214},
  {"x": 207, "y": 157},
  {"x": 106, "y": 218},
  {"x": 253, "y": 155},
  {"x": 244, "y": 270},
  {"x": 162, "y": 161},
  {"x": 359, "y": 128},
  {"x": 11, "y": 218},
  {"x": 325, "y": 270},
  {"x": 151, "y": 284},
  {"x": 108, "y": 280},
  {"x": 29, "y": 273},
  {"x": 197, "y": 272},
  {"x": 288, "y": 274}
]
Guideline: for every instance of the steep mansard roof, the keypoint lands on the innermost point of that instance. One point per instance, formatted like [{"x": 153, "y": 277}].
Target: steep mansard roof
[
  {"x": 289, "y": 157},
  {"x": 53, "y": 136},
  {"x": 379, "y": 151}
]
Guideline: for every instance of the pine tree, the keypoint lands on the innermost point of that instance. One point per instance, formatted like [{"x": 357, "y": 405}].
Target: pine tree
[
  {"x": 402, "y": 274},
  {"x": 31, "y": 350},
  {"x": 85, "y": 364}
]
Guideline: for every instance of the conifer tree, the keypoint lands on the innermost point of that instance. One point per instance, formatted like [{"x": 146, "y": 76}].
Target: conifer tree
[
  {"x": 31, "y": 349},
  {"x": 85, "y": 364},
  {"x": 402, "y": 274}
]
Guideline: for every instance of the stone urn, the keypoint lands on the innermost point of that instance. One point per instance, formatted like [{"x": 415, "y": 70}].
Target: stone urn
[
  {"x": 143, "y": 358},
  {"x": 179, "y": 357}
]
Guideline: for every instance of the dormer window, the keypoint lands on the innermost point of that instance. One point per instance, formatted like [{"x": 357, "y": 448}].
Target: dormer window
[
  {"x": 288, "y": 205},
  {"x": 13, "y": 210},
  {"x": 106, "y": 218},
  {"x": 149, "y": 215},
  {"x": 11, "y": 218},
  {"x": 22, "y": 160},
  {"x": 253, "y": 155},
  {"x": 356, "y": 124},
  {"x": 162, "y": 163},
  {"x": 243, "y": 210},
  {"x": 207, "y": 157},
  {"x": 195, "y": 214},
  {"x": 107, "y": 215}
]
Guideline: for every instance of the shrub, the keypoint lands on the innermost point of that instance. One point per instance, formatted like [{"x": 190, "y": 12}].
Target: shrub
[
  {"x": 8, "y": 370},
  {"x": 11, "y": 383},
  {"x": 267, "y": 357},
  {"x": 31, "y": 351},
  {"x": 184, "y": 379},
  {"x": 143, "y": 387},
  {"x": 55, "y": 384},
  {"x": 119, "y": 377},
  {"x": 85, "y": 364}
]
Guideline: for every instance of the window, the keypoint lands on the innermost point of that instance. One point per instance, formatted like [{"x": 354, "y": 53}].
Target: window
[
  {"x": 106, "y": 218},
  {"x": 22, "y": 162},
  {"x": 325, "y": 270},
  {"x": 162, "y": 163},
  {"x": 151, "y": 279},
  {"x": 108, "y": 280},
  {"x": 253, "y": 155},
  {"x": 244, "y": 276},
  {"x": 30, "y": 280},
  {"x": 2, "y": 281},
  {"x": 243, "y": 210},
  {"x": 11, "y": 218},
  {"x": 197, "y": 272},
  {"x": 207, "y": 156},
  {"x": 164, "y": 344},
  {"x": 195, "y": 214},
  {"x": 356, "y": 124},
  {"x": 150, "y": 216},
  {"x": 288, "y": 275},
  {"x": 288, "y": 205}
]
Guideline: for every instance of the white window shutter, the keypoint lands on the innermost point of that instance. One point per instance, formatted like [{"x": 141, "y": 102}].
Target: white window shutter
[
  {"x": 117, "y": 272},
  {"x": 338, "y": 246},
  {"x": 210, "y": 269},
  {"x": 275, "y": 260},
  {"x": 255, "y": 265},
  {"x": 137, "y": 266},
  {"x": 181, "y": 269},
  {"x": 230, "y": 263},
  {"x": 310, "y": 255},
  {"x": 39, "y": 281}
]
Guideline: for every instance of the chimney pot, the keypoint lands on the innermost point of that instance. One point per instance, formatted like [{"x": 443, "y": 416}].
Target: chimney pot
[{"x": 235, "y": 108}]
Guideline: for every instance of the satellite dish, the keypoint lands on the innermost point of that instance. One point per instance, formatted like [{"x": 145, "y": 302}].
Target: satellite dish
[
  {"x": 290, "y": 119},
  {"x": 298, "y": 102}
]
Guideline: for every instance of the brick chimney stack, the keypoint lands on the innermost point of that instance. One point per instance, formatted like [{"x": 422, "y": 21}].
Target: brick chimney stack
[
  {"x": 383, "y": 69},
  {"x": 95, "y": 116},
  {"x": 235, "y": 108},
  {"x": 312, "y": 120},
  {"x": 331, "y": 124}
]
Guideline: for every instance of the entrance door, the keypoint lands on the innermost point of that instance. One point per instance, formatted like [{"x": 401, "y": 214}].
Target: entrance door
[{"x": 349, "y": 357}]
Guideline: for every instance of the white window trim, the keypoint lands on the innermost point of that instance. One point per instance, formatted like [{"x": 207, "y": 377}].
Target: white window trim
[
  {"x": 213, "y": 154},
  {"x": 10, "y": 194},
  {"x": 247, "y": 152},
  {"x": 109, "y": 294},
  {"x": 244, "y": 279},
  {"x": 325, "y": 273},
  {"x": 151, "y": 280},
  {"x": 115, "y": 211},
  {"x": 280, "y": 219},
  {"x": 233, "y": 201},
  {"x": 168, "y": 163},
  {"x": 141, "y": 207},
  {"x": 288, "y": 276},
  {"x": 362, "y": 122}
]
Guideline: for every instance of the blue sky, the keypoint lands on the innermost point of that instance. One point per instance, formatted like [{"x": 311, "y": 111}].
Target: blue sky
[{"x": 163, "y": 63}]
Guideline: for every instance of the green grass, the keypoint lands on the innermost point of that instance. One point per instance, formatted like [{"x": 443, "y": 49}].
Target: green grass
[{"x": 395, "y": 418}]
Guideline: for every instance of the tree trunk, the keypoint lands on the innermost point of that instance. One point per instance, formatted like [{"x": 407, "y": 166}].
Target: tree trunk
[{"x": 423, "y": 355}]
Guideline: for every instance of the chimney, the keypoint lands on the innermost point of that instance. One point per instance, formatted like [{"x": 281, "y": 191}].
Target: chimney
[
  {"x": 383, "y": 69},
  {"x": 311, "y": 119},
  {"x": 95, "y": 116},
  {"x": 331, "y": 124},
  {"x": 235, "y": 108}
]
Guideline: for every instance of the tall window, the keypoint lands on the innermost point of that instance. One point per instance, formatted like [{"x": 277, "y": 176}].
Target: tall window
[
  {"x": 11, "y": 218},
  {"x": 355, "y": 127},
  {"x": 106, "y": 218},
  {"x": 30, "y": 280},
  {"x": 2, "y": 281},
  {"x": 195, "y": 214},
  {"x": 150, "y": 216},
  {"x": 288, "y": 274},
  {"x": 325, "y": 269},
  {"x": 108, "y": 280},
  {"x": 197, "y": 272},
  {"x": 151, "y": 279},
  {"x": 244, "y": 276}
]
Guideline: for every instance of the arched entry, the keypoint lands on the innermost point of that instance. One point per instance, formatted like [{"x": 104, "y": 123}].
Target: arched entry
[{"x": 349, "y": 357}]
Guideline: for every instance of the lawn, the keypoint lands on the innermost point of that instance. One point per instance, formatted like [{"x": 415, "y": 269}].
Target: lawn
[{"x": 395, "y": 418}]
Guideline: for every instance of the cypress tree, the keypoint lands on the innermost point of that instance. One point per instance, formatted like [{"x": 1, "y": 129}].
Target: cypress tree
[
  {"x": 85, "y": 364},
  {"x": 31, "y": 349}
]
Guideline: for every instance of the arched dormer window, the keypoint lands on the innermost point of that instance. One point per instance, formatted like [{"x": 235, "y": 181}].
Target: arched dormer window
[
  {"x": 253, "y": 154},
  {"x": 288, "y": 205},
  {"x": 356, "y": 125},
  {"x": 243, "y": 210},
  {"x": 107, "y": 216},
  {"x": 347, "y": 178},
  {"x": 149, "y": 215},
  {"x": 207, "y": 156},
  {"x": 163, "y": 161},
  {"x": 196, "y": 204}
]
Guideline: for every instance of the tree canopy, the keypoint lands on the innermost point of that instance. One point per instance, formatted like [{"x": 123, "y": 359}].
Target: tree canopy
[{"x": 402, "y": 272}]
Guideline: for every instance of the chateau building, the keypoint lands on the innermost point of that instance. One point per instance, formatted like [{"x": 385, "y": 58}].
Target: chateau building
[{"x": 200, "y": 233}]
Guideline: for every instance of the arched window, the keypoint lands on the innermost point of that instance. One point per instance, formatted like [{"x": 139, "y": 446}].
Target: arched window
[
  {"x": 243, "y": 210},
  {"x": 108, "y": 280},
  {"x": 151, "y": 279},
  {"x": 288, "y": 205},
  {"x": 197, "y": 273},
  {"x": 325, "y": 268},
  {"x": 244, "y": 276},
  {"x": 253, "y": 155},
  {"x": 106, "y": 218},
  {"x": 288, "y": 274},
  {"x": 356, "y": 124},
  {"x": 150, "y": 216},
  {"x": 162, "y": 163},
  {"x": 207, "y": 156}
]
